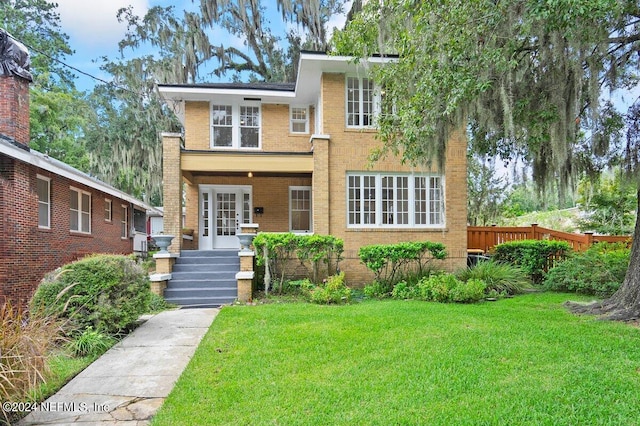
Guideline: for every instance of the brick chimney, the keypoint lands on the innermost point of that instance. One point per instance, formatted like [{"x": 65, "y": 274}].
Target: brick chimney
[{"x": 14, "y": 89}]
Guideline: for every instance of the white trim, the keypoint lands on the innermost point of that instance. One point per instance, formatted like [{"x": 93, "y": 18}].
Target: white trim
[
  {"x": 59, "y": 168},
  {"x": 124, "y": 222},
  {"x": 108, "y": 202},
  {"x": 301, "y": 231},
  {"x": 299, "y": 121},
  {"x": 375, "y": 102},
  {"x": 80, "y": 212},
  {"x": 411, "y": 201},
  {"x": 236, "y": 127},
  {"x": 48, "y": 203}
]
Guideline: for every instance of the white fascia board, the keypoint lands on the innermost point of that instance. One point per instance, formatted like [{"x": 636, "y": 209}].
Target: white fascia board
[
  {"x": 202, "y": 93},
  {"x": 61, "y": 169}
]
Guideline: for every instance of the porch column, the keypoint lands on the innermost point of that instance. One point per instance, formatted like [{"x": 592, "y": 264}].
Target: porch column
[
  {"x": 320, "y": 182},
  {"x": 172, "y": 189}
]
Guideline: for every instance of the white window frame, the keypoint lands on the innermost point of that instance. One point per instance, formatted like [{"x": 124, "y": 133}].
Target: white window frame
[
  {"x": 291, "y": 209},
  {"x": 108, "y": 210},
  {"x": 373, "y": 105},
  {"x": 367, "y": 208},
  {"x": 80, "y": 213},
  {"x": 46, "y": 203},
  {"x": 124, "y": 222},
  {"x": 236, "y": 126},
  {"x": 293, "y": 120}
]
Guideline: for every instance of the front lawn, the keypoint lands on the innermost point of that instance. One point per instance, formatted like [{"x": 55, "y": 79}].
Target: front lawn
[{"x": 516, "y": 361}]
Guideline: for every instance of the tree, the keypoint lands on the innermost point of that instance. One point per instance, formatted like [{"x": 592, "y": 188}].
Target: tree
[
  {"x": 56, "y": 107},
  {"x": 609, "y": 203},
  {"x": 526, "y": 76},
  {"x": 486, "y": 190}
]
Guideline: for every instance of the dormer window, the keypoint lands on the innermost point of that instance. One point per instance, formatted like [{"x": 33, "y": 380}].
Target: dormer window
[{"x": 235, "y": 126}]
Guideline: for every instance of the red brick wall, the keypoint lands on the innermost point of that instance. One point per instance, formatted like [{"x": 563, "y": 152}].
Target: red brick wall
[
  {"x": 29, "y": 252},
  {"x": 14, "y": 108}
]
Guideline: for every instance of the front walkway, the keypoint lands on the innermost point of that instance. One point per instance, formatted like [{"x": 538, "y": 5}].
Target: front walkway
[{"x": 129, "y": 383}]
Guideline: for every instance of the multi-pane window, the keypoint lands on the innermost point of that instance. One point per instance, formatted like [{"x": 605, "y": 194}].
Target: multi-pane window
[
  {"x": 362, "y": 199},
  {"x": 235, "y": 126},
  {"x": 44, "y": 202},
  {"x": 80, "y": 211},
  {"x": 394, "y": 200},
  {"x": 299, "y": 120},
  {"x": 124, "y": 221},
  {"x": 108, "y": 210},
  {"x": 360, "y": 102},
  {"x": 222, "y": 118},
  {"x": 249, "y": 126},
  {"x": 300, "y": 208}
]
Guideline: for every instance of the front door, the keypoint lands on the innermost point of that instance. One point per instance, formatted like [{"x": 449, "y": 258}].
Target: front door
[{"x": 222, "y": 209}]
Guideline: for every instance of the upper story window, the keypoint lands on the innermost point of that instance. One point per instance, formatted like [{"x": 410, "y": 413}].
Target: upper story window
[
  {"x": 362, "y": 102},
  {"x": 80, "y": 211},
  {"x": 394, "y": 200},
  {"x": 235, "y": 126},
  {"x": 299, "y": 120},
  {"x": 249, "y": 126},
  {"x": 44, "y": 202}
]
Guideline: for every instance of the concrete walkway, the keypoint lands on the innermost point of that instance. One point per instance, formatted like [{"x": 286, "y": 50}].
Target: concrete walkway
[{"x": 128, "y": 384}]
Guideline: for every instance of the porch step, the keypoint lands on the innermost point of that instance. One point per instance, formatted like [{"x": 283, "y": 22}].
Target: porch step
[{"x": 204, "y": 278}]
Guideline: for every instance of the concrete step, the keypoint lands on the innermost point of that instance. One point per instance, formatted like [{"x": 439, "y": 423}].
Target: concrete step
[
  {"x": 204, "y": 278},
  {"x": 206, "y": 267},
  {"x": 229, "y": 292},
  {"x": 201, "y": 302},
  {"x": 209, "y": 253}
]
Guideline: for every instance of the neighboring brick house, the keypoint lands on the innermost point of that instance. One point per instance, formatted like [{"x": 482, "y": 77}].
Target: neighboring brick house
[
  {"x": 294, "y": 157},
  {"x": 50, "y": 212}
]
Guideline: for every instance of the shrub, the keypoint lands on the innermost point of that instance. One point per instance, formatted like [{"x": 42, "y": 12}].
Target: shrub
[
  {"x": 91, "y": 342},
  {"x": 533, "y": 256},
  {"x": 106, "y": 292},
  {"x": 442, "y": 288},
  {"x": 391, "y": 263},
  {"x": 499, "y": 277},
  {"x": 333, "y": 291},
  {"x": 598, "y": 271},
  {"x": 25, "y": 343},
  {"x": 276, "y": 251},
  {"x": 377, "y": 290}
]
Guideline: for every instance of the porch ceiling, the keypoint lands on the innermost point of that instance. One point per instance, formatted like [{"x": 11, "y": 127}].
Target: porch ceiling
[{"x": 256, "y": 162}]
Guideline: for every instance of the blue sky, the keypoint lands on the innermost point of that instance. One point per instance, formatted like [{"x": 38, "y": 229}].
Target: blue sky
[{"x": 94, "y": 30}]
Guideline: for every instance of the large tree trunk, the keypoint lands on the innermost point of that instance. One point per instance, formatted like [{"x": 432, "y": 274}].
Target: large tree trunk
[{"x": 624, "y": 305}]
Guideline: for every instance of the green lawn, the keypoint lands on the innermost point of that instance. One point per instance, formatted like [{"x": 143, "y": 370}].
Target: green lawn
[{"x": 516, "y": 361}]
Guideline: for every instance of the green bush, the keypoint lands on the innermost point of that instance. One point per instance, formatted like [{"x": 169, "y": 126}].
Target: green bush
[
  {"x": 91, "y": 342},
  {"x": 377, "y": 290},
  {"x": 499, "y": 277},
  {"x": 533, "y": 256},
  {"x": 598, "y": 271},
  {"x": 333, "y": 291},
  {"x": 105, "y": 292},
  {"x": 444, "y": 288},
  {"x": 392, "y": 263},
  {"x": 320, "y": 254}
]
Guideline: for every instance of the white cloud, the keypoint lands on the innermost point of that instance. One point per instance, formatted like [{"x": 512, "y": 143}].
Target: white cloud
[{"x": 94, "y": 23}]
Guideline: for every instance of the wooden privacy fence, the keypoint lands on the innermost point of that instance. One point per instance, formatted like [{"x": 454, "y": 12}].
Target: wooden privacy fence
[{"x": 486, "y": 237}]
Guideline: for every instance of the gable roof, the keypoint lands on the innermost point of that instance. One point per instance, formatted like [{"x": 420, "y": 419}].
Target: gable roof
[{"x": 20, "y": 152}]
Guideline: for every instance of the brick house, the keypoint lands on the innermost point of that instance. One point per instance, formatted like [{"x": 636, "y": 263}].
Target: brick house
[
  {"x": 293, "y": 157},
  {"x": 50, "y": 212}
]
